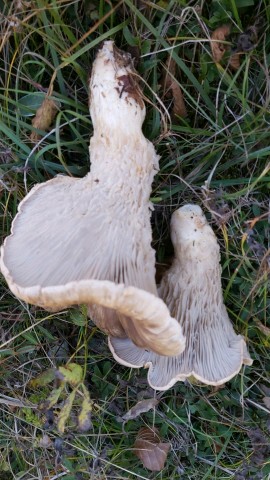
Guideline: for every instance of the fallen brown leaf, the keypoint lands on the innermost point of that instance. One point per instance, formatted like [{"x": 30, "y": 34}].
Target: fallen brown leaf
[
  {"x": 45, "y": 115},
  {"x": 171, "y": 87},
  {"x": 141, "y": 407},
  {"x": 218, "y": 48},
  {"x": 179, "y": 107},
  {"x": 234, "y": 61},
  {"x": 150, "y": 450}
]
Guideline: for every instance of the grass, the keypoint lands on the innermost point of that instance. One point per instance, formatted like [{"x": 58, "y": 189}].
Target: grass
[{"x": 223, "y": 146}]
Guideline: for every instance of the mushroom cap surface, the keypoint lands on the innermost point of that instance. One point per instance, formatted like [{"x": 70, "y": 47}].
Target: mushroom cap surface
[
  {"x": 192, "y": 290},
  {"x": 88, "y": 240}
]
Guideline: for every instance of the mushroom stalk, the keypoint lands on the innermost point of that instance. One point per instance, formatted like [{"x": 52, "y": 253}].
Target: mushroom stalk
[
  {"x": 89, "y": 240},
  {"x": 193, "y": 293}
]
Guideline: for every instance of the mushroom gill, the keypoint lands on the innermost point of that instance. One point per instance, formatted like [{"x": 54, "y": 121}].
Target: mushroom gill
[
  {"x": 89, "y": 240},
  {"x": 192, "y": 290}
]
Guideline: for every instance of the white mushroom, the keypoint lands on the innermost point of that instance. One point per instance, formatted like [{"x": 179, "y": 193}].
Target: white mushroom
[
  {"x": 192, "y": 290},
  {"x": 89, "y": 240}
]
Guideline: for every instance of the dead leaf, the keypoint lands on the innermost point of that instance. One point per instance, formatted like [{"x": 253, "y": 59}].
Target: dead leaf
[
  {"x": 84, "y": 417},
  {"x": 72, "y": 373},
  {"x": 266, "y": 401},
  {"x": 247, "y": 40},
  {"x": 141, "y": 407},
  {"x": 265, "y": 330},
  {"x": 43, "y": 378},
  {"x": 179, "y": 107},
  {"x": 171, "y": 87},
  {"x": 44, "y": 117},
  {"x": 45, "y": 441},
  {"x": 21, "y": 5},
  {"x": 52, "y": 399},
  {"x": 234, "y": 61},
  {"x": 218, "y": 48},
  {"x": 12, "y": 403},
  {"x": 150, "y": 450},
  {"x": 65, "y": 412}
]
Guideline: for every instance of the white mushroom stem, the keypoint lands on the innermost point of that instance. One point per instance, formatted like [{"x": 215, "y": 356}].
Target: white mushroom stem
[
  {"x": 89, "y": 240},
  {"x": 192, "y": 291}
]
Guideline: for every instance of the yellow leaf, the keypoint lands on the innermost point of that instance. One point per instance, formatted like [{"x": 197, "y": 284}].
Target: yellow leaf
[
  {"x": 52, "y": 399},
  {"x": 71, "y": 373},
  {"x": 65, "y": 412},
  {"x": 43, "y": 379},
  {"x": 84, "y": 417}
]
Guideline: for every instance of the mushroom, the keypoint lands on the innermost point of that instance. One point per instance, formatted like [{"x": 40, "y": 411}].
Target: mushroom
[
  {"x": 88, "y": 240},
  {"x": 192, "y": 290}
]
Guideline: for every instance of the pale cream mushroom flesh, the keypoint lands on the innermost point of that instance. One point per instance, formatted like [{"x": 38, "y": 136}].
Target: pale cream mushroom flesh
[
  {"x": 88, "y": 240},
  {"x": 192, "y": 290}
]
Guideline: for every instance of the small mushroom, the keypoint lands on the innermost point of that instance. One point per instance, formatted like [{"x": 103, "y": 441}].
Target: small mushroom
[
  {"x": 192, "y": 290},
  {"x": 88, "y": 240}
]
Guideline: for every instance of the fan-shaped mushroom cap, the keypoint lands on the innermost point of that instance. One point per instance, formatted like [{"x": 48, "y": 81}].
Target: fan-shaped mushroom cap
[
  {"x": 89, "y": 240},
  {"x": 192, "y": 291}
]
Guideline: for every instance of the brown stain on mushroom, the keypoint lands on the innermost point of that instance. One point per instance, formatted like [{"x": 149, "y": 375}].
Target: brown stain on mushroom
[
  {"x": 199, "y": 223},
  {"x": 130, "y": 86},
  {"x": 123, "y": 59}
]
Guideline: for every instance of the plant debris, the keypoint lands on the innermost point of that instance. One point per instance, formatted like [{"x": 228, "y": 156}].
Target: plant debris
[
  {"x": 171, "y": 88},
  {"x": 84, "y": 417},
  {"x": 150, "y": 450},
  {"x": 45, "y": 441},
  {"x": 218, "y": 48},
  {"x": 44, "y": 117},
  {"x": 66, "y": 377},
  {"x": 142, "y": 406},
  {"x": 234, "y": 61},
  {"x": 245, "y": 43},
  {"x": 247, "y": 40}
]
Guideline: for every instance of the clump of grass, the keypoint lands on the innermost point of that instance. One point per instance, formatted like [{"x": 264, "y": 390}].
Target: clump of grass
[{"x": 223, "y": 146}]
